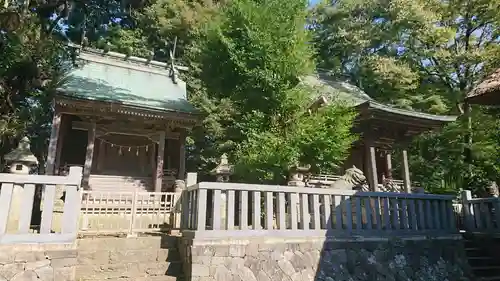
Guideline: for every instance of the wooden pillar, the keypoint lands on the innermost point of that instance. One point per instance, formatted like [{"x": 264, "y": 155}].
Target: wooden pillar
[
  {"x": 371, "y": 166},
  {"x": 182, "y": 155},
  {"x": 91, "y": 134},
  {"x": 143, "y": 159},
  {"x": 406, "y": 172},
  {"x": 153, "y": 163},
  {"x": 64, "y": 127},
  {"x": 388, "y": 164},
  {"x": 54, "y": 136},
  {"x": 159, "y": 162}
]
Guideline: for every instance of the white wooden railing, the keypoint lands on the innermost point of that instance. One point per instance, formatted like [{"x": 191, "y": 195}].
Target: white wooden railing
[
  {"x": 16, "y": 200},
  {"x": 480, "y": 214},
  {"x": 131, "y": 212},
  {"x": 112, "y": 212},
  {"x": 260, "y": 210}
]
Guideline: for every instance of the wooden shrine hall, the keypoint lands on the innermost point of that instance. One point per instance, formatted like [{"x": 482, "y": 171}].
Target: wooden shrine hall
[
  {"x": 124, "y": 119},
  {"x": 381, "y": 127}
]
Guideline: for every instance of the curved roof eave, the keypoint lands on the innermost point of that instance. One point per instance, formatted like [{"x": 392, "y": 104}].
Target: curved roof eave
[
  {"x": 411, "y": 113},
  {"x": 332, "y": 89}
]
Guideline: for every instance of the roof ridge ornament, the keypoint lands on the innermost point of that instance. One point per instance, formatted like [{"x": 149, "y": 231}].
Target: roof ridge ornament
[{"x": 174, "y": 69}]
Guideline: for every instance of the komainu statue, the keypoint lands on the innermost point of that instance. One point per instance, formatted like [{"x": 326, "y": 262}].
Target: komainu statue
[
  {"x": 493, "y": 189},
  {"x": 354, "y": 179},
  {"x": 388, "y": 185}
]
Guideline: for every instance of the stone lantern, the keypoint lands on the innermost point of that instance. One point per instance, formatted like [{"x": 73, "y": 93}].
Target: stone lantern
[
  {"x": 298, "y": 175},
  {"x": 223, "y": 171},
  {"x": 21, "y": 160}
]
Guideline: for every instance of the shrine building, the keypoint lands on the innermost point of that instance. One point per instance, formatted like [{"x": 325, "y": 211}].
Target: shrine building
[
  {"x": 381, "y": 128},
  {"x": 124, "y": 120}
]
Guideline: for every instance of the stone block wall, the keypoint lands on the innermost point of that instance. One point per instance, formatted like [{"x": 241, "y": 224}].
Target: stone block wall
[
  {"x": 420, "y": 259},
  {"x": 128, "y": 259},
  {"x": 28, "y": 262}
]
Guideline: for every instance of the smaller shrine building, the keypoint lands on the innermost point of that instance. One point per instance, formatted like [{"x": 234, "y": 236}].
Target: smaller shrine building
[
  {"x": 381, "y": 127},
  {"x": 124, "y": 120}
]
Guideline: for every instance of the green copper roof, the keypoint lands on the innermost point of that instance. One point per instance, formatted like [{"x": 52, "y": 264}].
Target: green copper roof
[
  {"x": 336, "y": 90},
  {"x": 111, "y": 77},
  {"x": 354, "y": 96}
]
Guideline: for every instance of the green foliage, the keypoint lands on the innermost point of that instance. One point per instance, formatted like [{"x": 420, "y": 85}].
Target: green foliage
[
  {"x": 245, "y": 61},
  {"x": 439, "y": 162},
  {"x": 252, "y": 57},
  {"x": 427, "y": 53},
  {"x": 320, "y": 139},
  {"x": 31, "y": 65},
  {"x": 423, "y": 55}
]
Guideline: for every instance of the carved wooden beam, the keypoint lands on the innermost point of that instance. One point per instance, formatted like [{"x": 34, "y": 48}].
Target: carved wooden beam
[
  {"x": 106, "y": 110},
  {"x": 105, "y": 129}
]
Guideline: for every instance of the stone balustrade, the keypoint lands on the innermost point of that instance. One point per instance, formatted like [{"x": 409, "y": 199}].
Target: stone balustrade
[{"x": 246, "y": 210}]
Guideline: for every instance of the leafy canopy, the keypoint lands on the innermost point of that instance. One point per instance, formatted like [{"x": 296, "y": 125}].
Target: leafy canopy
[
  {"x": 423, "y": 55},
  {"x": 253, "y": 56}
]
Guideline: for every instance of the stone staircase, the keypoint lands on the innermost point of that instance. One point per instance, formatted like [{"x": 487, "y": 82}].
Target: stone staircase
[
  {"x": 129, "y": 259},
  {"x": 483, "y": 254},
  {"x": 106, "y": 183},
  {"x": 119, "y": 183}
]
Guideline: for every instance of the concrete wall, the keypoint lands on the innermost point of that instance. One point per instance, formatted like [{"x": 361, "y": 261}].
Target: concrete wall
[
  {"x": 128, "y": 259},
  {"x": 334, "y": 260},
  {"x": 37, "y": 262}
]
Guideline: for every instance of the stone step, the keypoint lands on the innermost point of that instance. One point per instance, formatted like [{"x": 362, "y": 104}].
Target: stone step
[
  {"x": 480, "y": 252},
  {"x": 159, "y": 270},
  {"x": 118, "y": 181},
  {"x": 149, "y": 278},
  {"x": 475, "y": 252},
  {"x": 113, "y": 186},
  {"x": 124, "y": 181},
  {"x": 491, "y": 278},
  {"x": 486, "y": 271},
  {"x": 483, "y": 261}
]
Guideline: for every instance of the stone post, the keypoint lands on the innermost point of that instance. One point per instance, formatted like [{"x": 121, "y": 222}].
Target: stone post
[
  {"x": 179, "y": 187},
  {"x": 467, "y": 211},
  {"x": 222, "y": 173}
]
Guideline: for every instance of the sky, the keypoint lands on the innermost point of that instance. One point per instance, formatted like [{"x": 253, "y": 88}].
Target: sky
[{"x": 312, "y": 2}]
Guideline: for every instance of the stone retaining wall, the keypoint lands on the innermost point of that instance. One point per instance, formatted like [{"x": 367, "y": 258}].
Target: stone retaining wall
[
  {"x": 419, "y": 259},
  {"x": 37, "y": 262},
  {"x": 128, "y": 259}
]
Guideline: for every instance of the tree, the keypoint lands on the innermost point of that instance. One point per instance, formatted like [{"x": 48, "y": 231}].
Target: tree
[
  {"x": 422, "y": 55},
  {"x": 434, "y": 48},
  {"x": 31, "y": 65},
  {"x": 252, "y": 58},
  {"x": 245, "y": 59}
]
